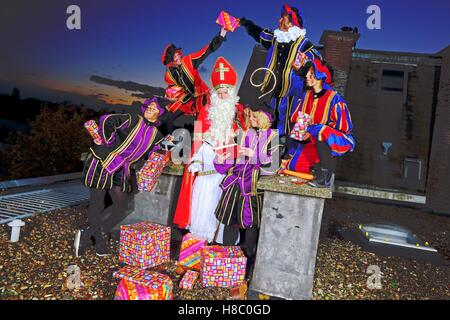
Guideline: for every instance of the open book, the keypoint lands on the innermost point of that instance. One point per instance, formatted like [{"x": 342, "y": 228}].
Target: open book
[
  {"x": 227, "y": 151},
  {"x": 225, "y": 146}
]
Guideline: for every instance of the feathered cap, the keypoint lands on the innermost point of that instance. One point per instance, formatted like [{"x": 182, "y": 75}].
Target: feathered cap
[
  {"x": 321, "y": 71},
  {"x": 158, "y": 105},
  {"x": 169, "y": 53},
  {"x": 294, "y": 15}
]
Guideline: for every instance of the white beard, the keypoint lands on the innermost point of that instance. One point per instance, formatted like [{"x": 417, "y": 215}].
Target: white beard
[
  {"x": 221, "y": 115},
  {"x": 291, "y": 35}
]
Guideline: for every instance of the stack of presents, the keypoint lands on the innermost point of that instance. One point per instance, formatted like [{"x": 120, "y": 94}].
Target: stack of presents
[{"x": 146, "y": 245}]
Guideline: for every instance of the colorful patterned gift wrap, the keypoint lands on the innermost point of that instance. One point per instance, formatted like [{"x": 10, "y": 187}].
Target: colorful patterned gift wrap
[
  {"x": 137, "y": 284},
  {"x": 222, "y": 266},
  {"x": 144, "y": 244},
  {"x": 174, "y": 92},
  {"x": 151, "y": 171},
  {"x": 227, "y": 21},
  {"x": 189, "y": 279},
  {"x": 190, "y": 252},
  {"x": 299, "y": 131},
  {"x": 92, "y": 128}
]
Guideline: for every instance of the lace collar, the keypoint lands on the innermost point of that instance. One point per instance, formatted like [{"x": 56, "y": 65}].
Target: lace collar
[{"x": 291, "y": 35}]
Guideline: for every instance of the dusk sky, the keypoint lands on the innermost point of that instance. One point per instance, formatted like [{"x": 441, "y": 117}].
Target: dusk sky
[{"x": 123, "y": 40}]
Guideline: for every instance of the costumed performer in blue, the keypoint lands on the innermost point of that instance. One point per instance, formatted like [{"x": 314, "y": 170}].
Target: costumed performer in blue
[{"x": 287, "y": 45}]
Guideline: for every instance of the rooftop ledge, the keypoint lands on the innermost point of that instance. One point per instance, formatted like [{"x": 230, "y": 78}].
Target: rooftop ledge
[
  {"x": 273, "y": 183},
  {"x": 173, "y": 169},
  {"x": 284, "y": 184}
]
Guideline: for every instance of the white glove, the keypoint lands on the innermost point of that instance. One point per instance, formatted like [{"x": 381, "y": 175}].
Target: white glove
[{"x": 194, "y": 167}]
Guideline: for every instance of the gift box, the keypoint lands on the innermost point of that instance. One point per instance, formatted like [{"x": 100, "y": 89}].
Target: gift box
[
  {"x": 190, "y": 252},
  {"x": 299, "y": 131},
  {"x": 222, "y": 266},
  {"x": 137, "y": 284},
  {"x": 174, "y": 92},
  {"x": 144, "y": 244},
  {"x": 92, "y": 128},
  {"x": 227, "y": 21},
  {"x": 151, "y": 171},
  {"x": 301, "y": 58},
  {"x": 189, "y": 279}
]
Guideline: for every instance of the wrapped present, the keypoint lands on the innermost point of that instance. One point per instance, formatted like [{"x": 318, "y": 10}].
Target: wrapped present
[
  {"x": 174, "y": 92},
  {"x": 92, "y": 128},
  {"x": 190, "y": 252},
  {"x": 137, "y": 284},
  {"x": 144, "y": 244},
  {"x": 227, "y": 21},
  {"x": 301, "y": 58},
  {"x": 189, "y": 279},
  {"x": 299, "y": 131},
  {"x": 284, "y": 165},
  {"x": 151, "y": 171},
  {"x": 222, "y": 266}
]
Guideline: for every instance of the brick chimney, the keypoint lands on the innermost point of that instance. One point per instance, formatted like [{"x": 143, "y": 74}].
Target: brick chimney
[{"x": 337, "y": 51}]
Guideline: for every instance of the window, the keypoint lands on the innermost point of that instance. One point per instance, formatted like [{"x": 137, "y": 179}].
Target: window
[
  {"x": 392, "y": 80},
  {"x": 412, "y": 169}
]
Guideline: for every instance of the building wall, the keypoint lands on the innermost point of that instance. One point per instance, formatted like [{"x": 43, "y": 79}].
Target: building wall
[
  {"x": 438, "y": 190},
  {"x": 361, "y": 93},
  {"x": 401, "y": 117}
]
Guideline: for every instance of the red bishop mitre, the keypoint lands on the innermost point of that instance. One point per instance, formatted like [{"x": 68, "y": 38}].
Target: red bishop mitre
[{"x": 223, "y": 74}]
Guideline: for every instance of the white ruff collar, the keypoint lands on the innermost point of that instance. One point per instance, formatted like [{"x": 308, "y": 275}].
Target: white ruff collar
[{"x": 291, "y": 35}]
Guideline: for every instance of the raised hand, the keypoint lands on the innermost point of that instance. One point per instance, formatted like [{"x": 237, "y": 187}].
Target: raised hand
[
  {"x": 247, "y": 152},
  {"x": 223, "y": 32},
  {"x": 296, "y": 65}
]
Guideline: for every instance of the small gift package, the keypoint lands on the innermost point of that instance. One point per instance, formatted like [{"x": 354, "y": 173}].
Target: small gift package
[
  {"x": 174, "y": 92},
  {"x": 190, "y": 252},
  {"x": 189, "y": 279},
  {"x": 222, "y": 266},
  {"x": 301, "y": 58},
  {"x": 144, "y": 244},
  {"x": 92, "y": 128},
  {"x": 227, "y": 21},
  {"x": 299, "y": 131},
  {"x": 151, "y": 171},
  {"x": 137, "y": 284}
]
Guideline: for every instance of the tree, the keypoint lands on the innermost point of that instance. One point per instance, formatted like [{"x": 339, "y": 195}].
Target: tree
[
  {"x": 53, "y": 145},
  {"x": 16, "y": 94}
]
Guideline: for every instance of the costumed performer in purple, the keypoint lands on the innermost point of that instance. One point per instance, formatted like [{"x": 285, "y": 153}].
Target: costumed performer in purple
[
  {"x": 128, "y": 140},
  {"x": 240, "y": 205}
]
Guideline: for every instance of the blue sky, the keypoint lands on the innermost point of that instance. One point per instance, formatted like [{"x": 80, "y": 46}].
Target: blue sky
[{"x": 123, "y": 40}]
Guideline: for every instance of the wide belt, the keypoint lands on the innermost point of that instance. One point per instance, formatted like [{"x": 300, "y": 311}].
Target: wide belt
[{"x": 206, "y": 173}]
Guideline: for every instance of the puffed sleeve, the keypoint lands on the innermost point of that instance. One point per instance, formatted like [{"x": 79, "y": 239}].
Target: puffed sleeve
[
  {"x": 154, "y": 146},
  {"x": 310, "y": 51},
  {"x": 340, "y": 117},
  {"x": 262, "y": 36},
  {"x": 200, "y": 56},
  {"x": 110, "y": 123}
]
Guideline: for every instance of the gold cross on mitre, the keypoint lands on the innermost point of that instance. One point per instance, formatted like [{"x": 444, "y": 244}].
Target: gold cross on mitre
[{"x": 222, "y": 70}]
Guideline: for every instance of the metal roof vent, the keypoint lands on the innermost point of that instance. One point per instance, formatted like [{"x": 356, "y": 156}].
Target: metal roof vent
[{"x": 395, "y": 235}]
